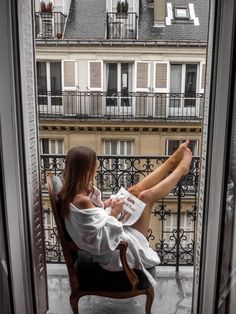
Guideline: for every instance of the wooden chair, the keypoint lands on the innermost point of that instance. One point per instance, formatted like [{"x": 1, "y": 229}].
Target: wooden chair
[{"x": 89, "y": 278}]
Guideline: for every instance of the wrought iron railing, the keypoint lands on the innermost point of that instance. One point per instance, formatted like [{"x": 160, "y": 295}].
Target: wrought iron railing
[
  {"x": 120, "y": 106},
  {"x": 172, "y": 229},
  {"x": 49, "y": 25},
  {"x": 121, "y": 25}
]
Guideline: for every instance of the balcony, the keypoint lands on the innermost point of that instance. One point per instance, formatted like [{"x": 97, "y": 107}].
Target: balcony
[
  {"x": 120, "y": 106},
  {"x": 49, "y": 25},
  {"x": 173, "y": 294},
  {"x": 173, "y": 242},
  {"x": 172, "y": 228},
  {"x": 121, "y": 25}
]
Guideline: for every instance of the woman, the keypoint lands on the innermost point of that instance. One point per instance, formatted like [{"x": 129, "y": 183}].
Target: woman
[{"x": 98, "y": 232}]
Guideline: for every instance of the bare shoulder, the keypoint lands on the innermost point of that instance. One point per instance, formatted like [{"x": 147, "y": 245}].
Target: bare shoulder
[{"x": 82, "y": 201}]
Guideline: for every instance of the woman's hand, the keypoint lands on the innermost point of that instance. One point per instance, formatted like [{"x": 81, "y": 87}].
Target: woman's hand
[{"x": 116, "y": 207}]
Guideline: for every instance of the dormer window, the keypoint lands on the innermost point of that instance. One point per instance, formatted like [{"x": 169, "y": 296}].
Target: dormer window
[{"x": 181, "y": 13}]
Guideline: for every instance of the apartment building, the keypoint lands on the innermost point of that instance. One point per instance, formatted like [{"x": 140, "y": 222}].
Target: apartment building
[
  {"x": 125, "y": 78},
  {"x": 131, "y": 82}
]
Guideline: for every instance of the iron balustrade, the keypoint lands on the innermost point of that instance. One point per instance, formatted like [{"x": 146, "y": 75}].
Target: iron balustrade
[
  {"x": 49, "y": 25},
  {"x": 121, "y": 25},
  {"x": 120, "y": 106},
  {"x": 172, "y": 229}
]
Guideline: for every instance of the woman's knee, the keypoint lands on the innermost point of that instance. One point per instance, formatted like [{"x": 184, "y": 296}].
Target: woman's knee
[
  {"x": 134, "y": 190},
  {"x": 144, "y": 196}
]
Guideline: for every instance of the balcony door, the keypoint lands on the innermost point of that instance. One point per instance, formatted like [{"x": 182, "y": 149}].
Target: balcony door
[
  {"x": 183, "y": 88},
  {"x": 118, "y": 87},
  {"x": 49, "y": 82}
]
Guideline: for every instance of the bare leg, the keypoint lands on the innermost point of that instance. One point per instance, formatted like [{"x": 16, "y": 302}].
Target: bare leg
[
  {"x": 161, "y": 172},
  {"x": 163, "y": 188}
]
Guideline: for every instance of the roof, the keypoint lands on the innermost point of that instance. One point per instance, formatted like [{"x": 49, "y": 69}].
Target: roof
[{"x": 87, "y": 21}]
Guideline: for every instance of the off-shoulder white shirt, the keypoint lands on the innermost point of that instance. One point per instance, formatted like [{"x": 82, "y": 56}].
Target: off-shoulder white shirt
[{"x": 98, "y": 233}]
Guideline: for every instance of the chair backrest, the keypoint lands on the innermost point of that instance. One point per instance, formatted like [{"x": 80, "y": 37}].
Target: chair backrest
[{"x": 69, "y": 248}]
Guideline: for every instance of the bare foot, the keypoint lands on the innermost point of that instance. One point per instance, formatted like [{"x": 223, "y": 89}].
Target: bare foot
[
  {"x": 185, "y": 161},
  {"x": 176, "y": 157}
]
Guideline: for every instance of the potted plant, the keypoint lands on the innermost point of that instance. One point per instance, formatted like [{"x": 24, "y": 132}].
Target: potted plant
[
  {"x": 46, "y": 8},
  {"x": 125, "y": 5},
  {"x": 122, "y": 9},
  {"x": 118, "y": 7}
]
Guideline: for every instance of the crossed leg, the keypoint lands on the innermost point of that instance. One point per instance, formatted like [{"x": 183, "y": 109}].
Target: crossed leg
[{"x": 150, "y": 191}]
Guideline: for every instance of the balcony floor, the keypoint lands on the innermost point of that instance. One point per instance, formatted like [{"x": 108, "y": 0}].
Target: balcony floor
[{"x": 173, "y": 294}]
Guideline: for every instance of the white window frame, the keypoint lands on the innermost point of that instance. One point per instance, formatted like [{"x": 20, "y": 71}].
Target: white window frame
[
  {"x": 171, "y": 223},
  {"x": 50, "y": 145},
  {"x": 181, "y": 140}
]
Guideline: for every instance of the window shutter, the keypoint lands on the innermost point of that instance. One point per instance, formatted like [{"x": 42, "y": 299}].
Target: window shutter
[
  {"x": 95, "y": 75},
  {"x": 203, "y": 76},
  {"x": 142, "y": 72},
  {"x": 69, "y": 74},
  {"x": 161, "y": 76}
]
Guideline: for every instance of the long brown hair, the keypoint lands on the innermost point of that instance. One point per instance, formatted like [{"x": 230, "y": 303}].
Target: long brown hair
[{"x": 80, "y": 167}]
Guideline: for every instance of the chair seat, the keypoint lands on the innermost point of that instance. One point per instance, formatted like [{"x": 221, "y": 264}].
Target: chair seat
[{"x": 92, "y": 277}]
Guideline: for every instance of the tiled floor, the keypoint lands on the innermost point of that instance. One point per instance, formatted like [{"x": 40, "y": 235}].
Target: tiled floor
[{"x": 172, "y": 295}]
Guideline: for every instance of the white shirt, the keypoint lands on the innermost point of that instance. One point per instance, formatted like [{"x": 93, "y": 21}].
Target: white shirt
[{"x": 98, "y": 233}]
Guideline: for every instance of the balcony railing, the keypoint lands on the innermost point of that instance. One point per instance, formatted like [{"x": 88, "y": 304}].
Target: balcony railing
[
  {"x": 121, "y": 106},
  {"x": 121, "y": 25},
  {"x": 49, "y": 25},
  {"x": 172, "y": 229}
]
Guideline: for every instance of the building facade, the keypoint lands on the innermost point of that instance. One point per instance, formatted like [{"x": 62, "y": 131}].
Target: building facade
[{"x": 126, "y": 82}]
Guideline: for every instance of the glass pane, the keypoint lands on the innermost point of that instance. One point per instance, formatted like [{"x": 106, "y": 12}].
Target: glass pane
[
  {"x": 112, "y": 79},
  {"x": 42, "y": 83},
  {"x": 41, "y": 77},
  {"x": 113, "y": 147},
  {"x": 112, "y": 85},
  {"x": 5, "y": 302},
  {"x": 53, "y": 147},
  {"x": 175, "y": 85},
  {"x": 60, "y": 146},
  {"x": 227, "y": 288},
  {"x": 175, "y": 78},
  {"x": 172, "y": 146},
  {"x": 190, "y": 84},
  {"x": 55, "y": 73},
  {"x": 55, "y": 76},
  {"x": 45, "y": 146}
]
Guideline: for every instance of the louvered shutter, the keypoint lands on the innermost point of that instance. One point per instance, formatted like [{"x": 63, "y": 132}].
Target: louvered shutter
[
  {"x": 201, "y": 89},
  {"x": 142, "y": 84},
  {"x": 203, "y": 71},
  {"x": 161, "y": 76},
  {"x": 95, "y": 75},
  {"x": 69, "y": 75},
  {"x": 161, "y": 70},
  {"x": 69, "y": 87},
  {"x": 142, "y": 76}
]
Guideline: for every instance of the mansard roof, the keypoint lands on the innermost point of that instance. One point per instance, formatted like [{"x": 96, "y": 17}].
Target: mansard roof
[{"x": 87, "y": 21}]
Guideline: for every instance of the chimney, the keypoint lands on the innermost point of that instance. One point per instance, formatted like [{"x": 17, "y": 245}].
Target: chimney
[{"x": 159, "y": 13}]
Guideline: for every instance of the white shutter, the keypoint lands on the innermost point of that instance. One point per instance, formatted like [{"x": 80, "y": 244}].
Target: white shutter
[
  {"x": 161, "y": 70},
  {"x": 142, "y": 75},
  {"x": 95, "y": 75},
  {"x": 161, "y": 87},
  {"x": 202, "y": 76},
  {"x": 201, "y": 88},
  {"x": 69, "y": 75}
]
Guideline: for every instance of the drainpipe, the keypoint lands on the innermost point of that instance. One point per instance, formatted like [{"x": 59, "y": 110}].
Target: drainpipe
[{"x": 159, "y": 13}]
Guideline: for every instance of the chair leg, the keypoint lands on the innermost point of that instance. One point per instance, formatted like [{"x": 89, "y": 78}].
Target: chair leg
[
  {"x": 149, "y": 301},
  {"x": 74, "y": 303}
]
